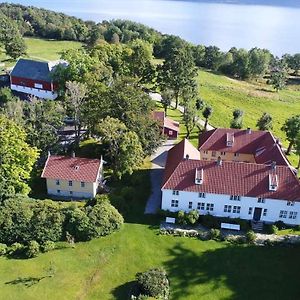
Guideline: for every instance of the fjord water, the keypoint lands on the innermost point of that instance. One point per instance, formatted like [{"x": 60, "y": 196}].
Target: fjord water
[{"x": 270, "y": 24}]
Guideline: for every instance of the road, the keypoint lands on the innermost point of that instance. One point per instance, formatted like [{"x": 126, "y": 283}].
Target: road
[{"x": 157, "y": 97}]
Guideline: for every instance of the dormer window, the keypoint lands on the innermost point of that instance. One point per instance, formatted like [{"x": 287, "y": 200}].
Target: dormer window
[
  {"x": 261, "y": 200},
  {"x": 199, "y": 176},
  {"x": 273, "y": 182},
  {"x": 229, "y": 139},
  {"x": 176, "y": 193}
]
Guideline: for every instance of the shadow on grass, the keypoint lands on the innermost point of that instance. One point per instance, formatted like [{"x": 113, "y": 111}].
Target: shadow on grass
[
  {"x": 27, "y": 281},
  {"x": 248, "y": 272},
  {"x": 123, "y": 290}
]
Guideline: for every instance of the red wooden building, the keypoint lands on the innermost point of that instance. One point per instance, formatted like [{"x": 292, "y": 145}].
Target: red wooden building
[
  {"x": 169, "y": 127},
  {"x": 34, "y": 78}
]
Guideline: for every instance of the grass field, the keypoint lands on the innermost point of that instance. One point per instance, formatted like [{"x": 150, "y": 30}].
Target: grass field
[
  {"x": 105, "y": 268},
  {"x": 43, "y": 49}
]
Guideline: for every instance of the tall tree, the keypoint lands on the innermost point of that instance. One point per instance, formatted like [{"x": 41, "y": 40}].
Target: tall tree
[
  {"x": 166, "y": 99},
  {"x": 237, "y": 121},
  {"x": 190, "y": 117},
  {"x": 178, "y": 72},
  {"x": 259, "y": 61},
  {"x": 265, "y": 122},
  {"x": 279, "y": 74},
  {"x": 124, "y": 150},
  {"x": 16, "y": 157},
  {"x": 207, "y": 112},
  {"x": 297, "y": 148},
  {"x": 291, "y": 127}
]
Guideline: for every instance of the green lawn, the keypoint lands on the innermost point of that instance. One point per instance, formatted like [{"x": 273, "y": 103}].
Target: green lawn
[
  {"x": 105, "y": 268},
  {"x": 43, "y": 49}
]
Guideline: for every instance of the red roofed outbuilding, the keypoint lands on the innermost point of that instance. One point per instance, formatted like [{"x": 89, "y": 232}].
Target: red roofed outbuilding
[
  {"x": 169, "y": 127},
  {"x": 72, "y": 177}
]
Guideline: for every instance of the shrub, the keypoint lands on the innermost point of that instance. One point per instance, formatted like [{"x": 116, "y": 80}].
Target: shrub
[
  {"x": 16, "y": 249},
  {"x": 48, "y": 246},
  {"x": 250, "y": 237},
  {"x": 280, "y": 225},
  {"x": 210, "y": 221},
  {"x": 3, "y": 249},
  {"x": 181, "y": 217},
  {"x": 274, "y": 229},
  {"x": 244, "y": 224},
  {"x": 32, "y": 249},
  {"x": 193, "y": 216},
  {"x": 153, "y": 283},
  {"x": 215, "y": 234}
]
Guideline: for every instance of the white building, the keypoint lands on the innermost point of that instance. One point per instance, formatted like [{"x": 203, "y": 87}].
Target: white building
[{"x": 251, "y": 191}]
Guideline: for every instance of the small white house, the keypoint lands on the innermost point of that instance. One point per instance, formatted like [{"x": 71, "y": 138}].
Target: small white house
[{"x": 248, "y": 191}]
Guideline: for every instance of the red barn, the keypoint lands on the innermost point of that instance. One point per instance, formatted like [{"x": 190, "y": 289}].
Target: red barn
[
  {"x": 34, "y": 78},
  {"x": 169, "y": 127}
]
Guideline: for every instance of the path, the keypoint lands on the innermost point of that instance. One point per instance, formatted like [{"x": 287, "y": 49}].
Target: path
[
  {"x": 158, "y": 160},
  {"x": 157, "y": 97}
]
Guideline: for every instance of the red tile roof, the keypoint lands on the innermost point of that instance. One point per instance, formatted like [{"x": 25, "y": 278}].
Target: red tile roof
[
  {"x": 165, "y": 121},
  {"x": 256, "y": 142},
  {"x": 69, "y": 168},
  {"x": 234, "y": 178}
]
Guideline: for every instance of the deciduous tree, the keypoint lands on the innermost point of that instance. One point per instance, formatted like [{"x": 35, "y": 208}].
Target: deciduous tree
[{"x": 291, "y": 127}]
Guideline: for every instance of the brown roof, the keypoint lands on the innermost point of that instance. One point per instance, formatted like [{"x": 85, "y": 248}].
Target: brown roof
[
  {"x": 234, "y": 178},
  {"x": 69, "y": 168},
  {"x": 165, "y": 121},
  {"x": 261, "y": 144}
]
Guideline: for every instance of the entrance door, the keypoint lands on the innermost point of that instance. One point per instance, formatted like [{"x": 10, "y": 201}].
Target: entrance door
[{"x": 257, "y": 213}]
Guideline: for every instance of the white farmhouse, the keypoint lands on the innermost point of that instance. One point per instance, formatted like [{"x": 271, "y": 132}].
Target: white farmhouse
[{"x": 246, "y": 190}]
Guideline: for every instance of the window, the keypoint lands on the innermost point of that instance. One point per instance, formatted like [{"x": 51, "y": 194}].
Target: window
[
  {"x": 205, "y": 152},
  {"x": 174, "y": 203},
  {"x": 293, "y": 215},
  {"x": 57, "y": 182},
  {"x": 170, "y": 132},
  {"x": 201, "y": 195},
  {"x": 290, "y": 203},
  {"x": 71, "y": 193},
  {"x": 250, "y": 210},
  {"x": 235, "y": 198},
  {"x": 200, "y": 205},
  {"x": 223, "y": 153},
  {"x": 236, "y": 209},
  {"x": 236, "y": 154},
  {"x": 227, "y": 208},
  {"x": 82, "y": 184},
  {"x": 58, "y": 191},
  {"x": 283, "y": 214},
  {"x": 70, "y": 183},
  {"x": 265, "y": 212},
  {"x": 190, "y": 205},
  {"x": 261, "y": 200},
  {"x": 214, "y": 154},
  {"x": 176, "y": 193},
  {"x": 210, "y": 206}
]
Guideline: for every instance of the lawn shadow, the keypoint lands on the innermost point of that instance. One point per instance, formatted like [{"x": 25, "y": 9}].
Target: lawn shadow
[
  {"x": 124, "y": 291},
  {"x": 27, "y": 281},
  {"x": 249, "y": 272}
]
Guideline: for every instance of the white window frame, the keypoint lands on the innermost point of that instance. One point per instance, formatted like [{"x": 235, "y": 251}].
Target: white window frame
[
  {"x": 70, "y": 183},
  {"x": 236, "y": 209},
  {"x": 174, "y": 203},
  {"x": 175, "y": 193},
  {"x": 261, "y": 200},
  {"x": 227, "y": 208},
  {"x": 293, "y": 215},
  {"x": 250, "y": 210},
  {"x": 57, "y": 182},
  {"x": 283, "y": 214},
  {"x": 201, "y": 195},
  {"x": 201, "y": 206},
  {"x": 82, "y": 184},
  {"x": 190, "y": 205},
  {"x": 210, "y": 206},
  {"x": 265, "y": 211}
]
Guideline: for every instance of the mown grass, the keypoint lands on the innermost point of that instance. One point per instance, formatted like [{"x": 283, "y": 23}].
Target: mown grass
[{"x": 40, "y": 49}]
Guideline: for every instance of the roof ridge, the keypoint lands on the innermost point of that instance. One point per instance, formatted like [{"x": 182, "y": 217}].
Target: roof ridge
[
  {"x": 215, "y": 129},
  {"x": 171, "y": 174}
]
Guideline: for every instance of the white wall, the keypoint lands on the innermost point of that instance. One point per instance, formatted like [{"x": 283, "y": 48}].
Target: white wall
[
  {"x": 64, "y": 193},
  {"x": 219, "y": 201},
  {"x": 36, "y": 92}
]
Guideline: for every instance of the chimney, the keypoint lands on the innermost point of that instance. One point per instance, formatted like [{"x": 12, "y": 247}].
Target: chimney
[
  {"x": 219, "y": 161},
  {"x": 199, "y": 176},
  {"x": 248, "y": 131},
  {"x": 187, "y": 157},
  {"x": 73, "y": 155},
  {"x": 229, "y": 139}
]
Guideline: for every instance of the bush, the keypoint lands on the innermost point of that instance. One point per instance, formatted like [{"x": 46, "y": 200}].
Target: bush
[
  {"x": 3, "y": 249},
  {"x": 274, "y": 229},
  {"x": 153, "y": 283},
  {"x": 280, "y": 225},
  {"x": 193, "y": 216},
  {"x": 16, "y": 249},
  {"x": 48, "y": 246},
  {"x": 250, "y": 237},
  {"x": 32, "y": 249},
  {"x": 181, "y": 217},
  {"x": 210, "y": 221},
  {"x": 215, "y": 234},
  {"x": 244, "y": 224}
]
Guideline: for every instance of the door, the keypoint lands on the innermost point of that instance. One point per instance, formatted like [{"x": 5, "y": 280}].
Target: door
[{"x": 257, "y": 213}]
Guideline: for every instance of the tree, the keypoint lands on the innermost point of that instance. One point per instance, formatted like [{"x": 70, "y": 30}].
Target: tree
[
  {"x": 240, "y": 65},
  {"x": 178, "y": 72},
  {"x": 265, "y": 122},
  {"x": 75, "y": 96},
  {"x": 15, "y": 47},
  {"x": 297, "y": 148},
  {"x": 237, "y": 121},
  {"x": 166, "y": 99},
  {"x": 291, "y": 127},
  {"x": 190, "y": 118},
  {"x": 124, "y": 149},
  {"x": 207, "y": 112},
  {"x": 16, "y": 157},
  {"x": 259, "y": 61},
  {"x": 279, "y": 74}
]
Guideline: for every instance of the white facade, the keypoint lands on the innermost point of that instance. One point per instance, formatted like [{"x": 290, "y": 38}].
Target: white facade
[
  {"x": 222, "y": 206},
  {"x": 34, "y": 91}
]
